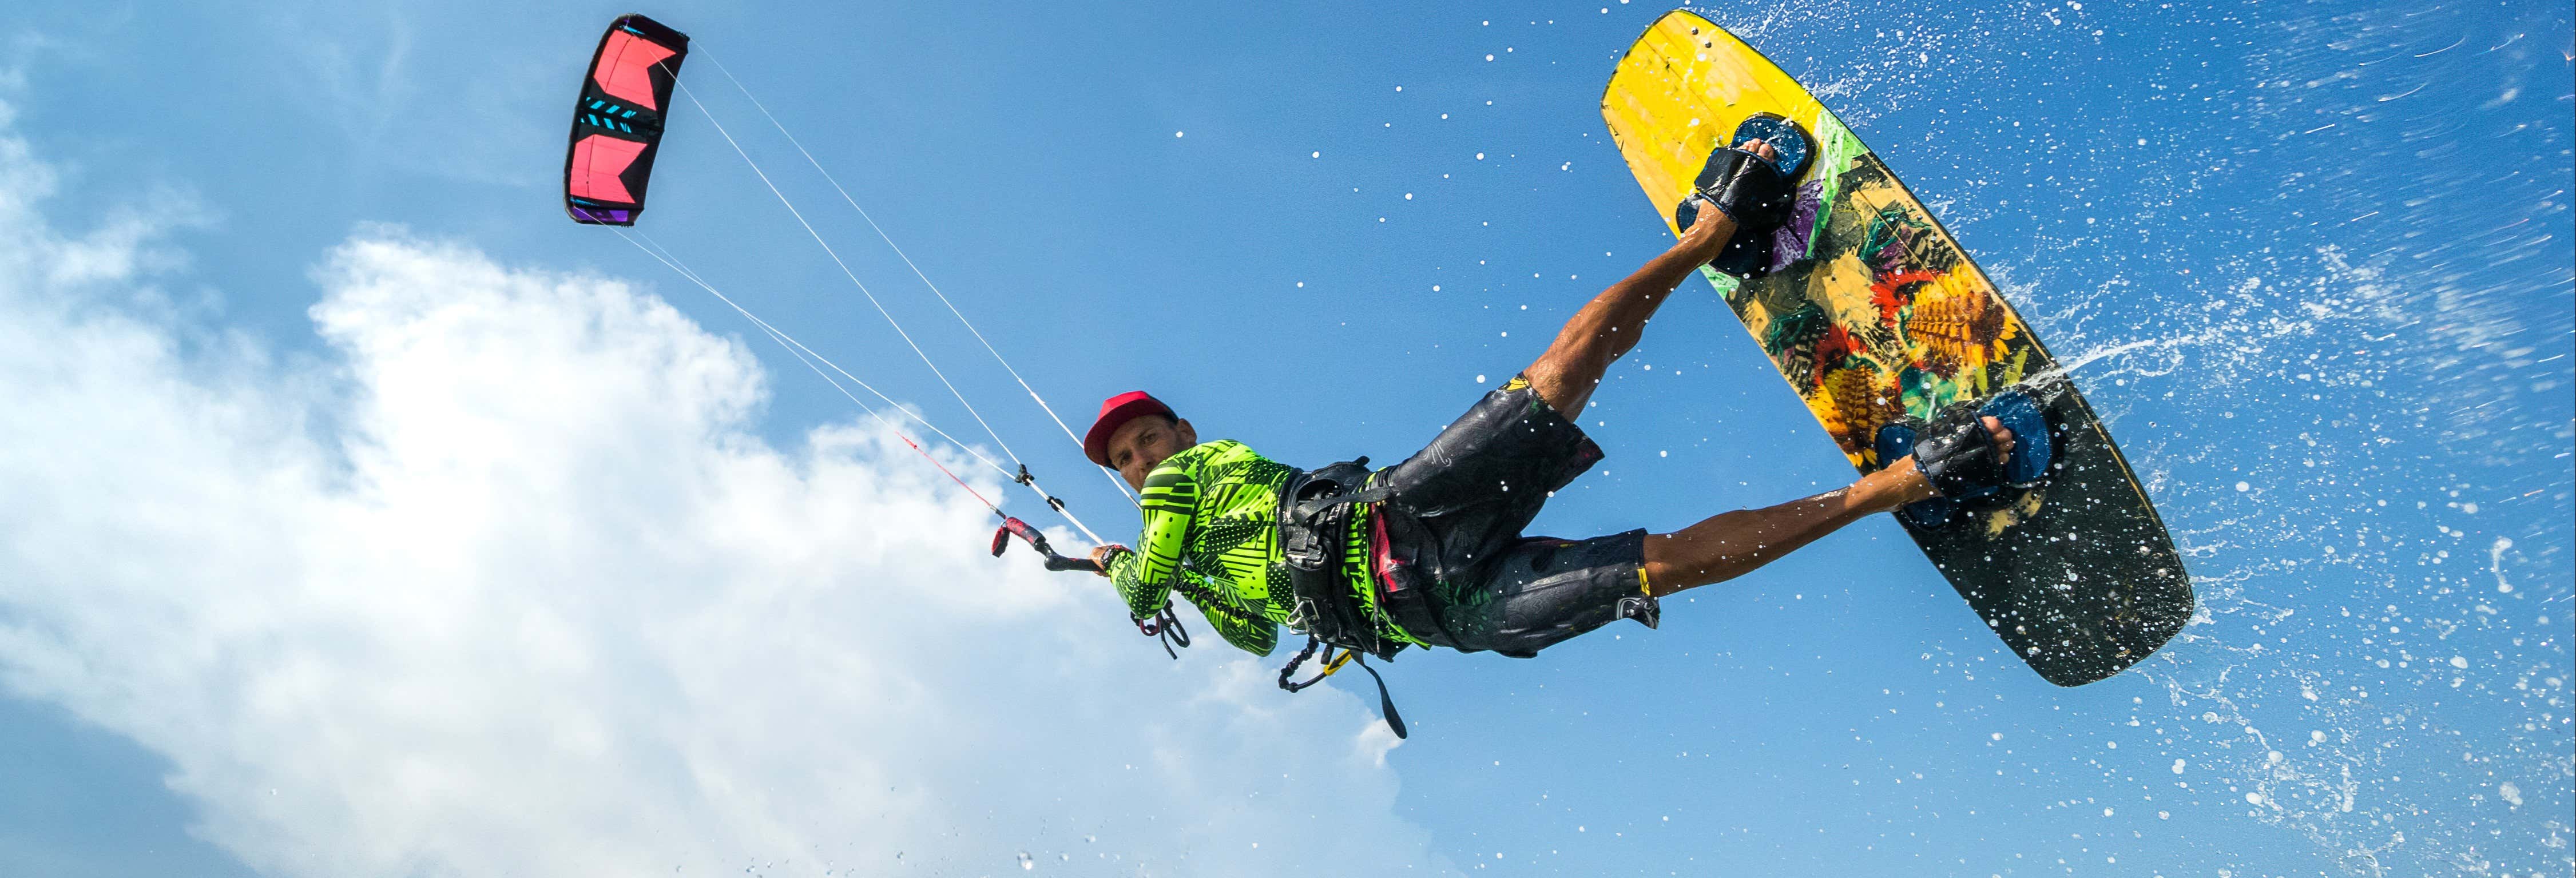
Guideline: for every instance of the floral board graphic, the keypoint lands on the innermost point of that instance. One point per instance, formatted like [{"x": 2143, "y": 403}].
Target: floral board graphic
[{"x": 1885, "y": 318}]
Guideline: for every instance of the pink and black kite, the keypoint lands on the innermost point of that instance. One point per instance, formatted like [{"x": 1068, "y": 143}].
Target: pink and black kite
[{"x": 617, "y": 127}]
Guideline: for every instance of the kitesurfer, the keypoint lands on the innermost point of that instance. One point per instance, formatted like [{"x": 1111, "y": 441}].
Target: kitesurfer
[{"x": 1430, "y": 552}]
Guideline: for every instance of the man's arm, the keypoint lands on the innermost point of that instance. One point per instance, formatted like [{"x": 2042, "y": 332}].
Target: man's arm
[
  {"x": 1254, "y": 634},
  {"x": 1144, "y": 576}
]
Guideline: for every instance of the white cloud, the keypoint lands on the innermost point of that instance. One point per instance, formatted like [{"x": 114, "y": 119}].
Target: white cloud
[{"x": 512, "y": 586}]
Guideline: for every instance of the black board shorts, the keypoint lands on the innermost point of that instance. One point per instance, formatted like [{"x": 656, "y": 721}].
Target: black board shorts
[{"x": 1452, "y": 523}]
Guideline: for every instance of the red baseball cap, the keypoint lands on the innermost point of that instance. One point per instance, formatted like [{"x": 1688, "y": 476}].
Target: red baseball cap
[{"x": 1115, "y": 412}]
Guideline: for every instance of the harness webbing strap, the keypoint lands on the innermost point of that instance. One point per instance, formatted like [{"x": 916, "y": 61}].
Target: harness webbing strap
[{"x": 1334, "y": 659}]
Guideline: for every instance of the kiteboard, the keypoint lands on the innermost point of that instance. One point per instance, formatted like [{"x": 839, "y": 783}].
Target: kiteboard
[{"x": 1875, "y": 313}]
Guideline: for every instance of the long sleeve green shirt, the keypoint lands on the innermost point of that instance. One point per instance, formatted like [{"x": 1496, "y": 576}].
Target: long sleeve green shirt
[{"x": 1211, "y": 532}]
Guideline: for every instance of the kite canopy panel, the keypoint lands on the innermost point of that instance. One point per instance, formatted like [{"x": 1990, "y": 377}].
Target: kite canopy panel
[{"x": 617, "y": 126}]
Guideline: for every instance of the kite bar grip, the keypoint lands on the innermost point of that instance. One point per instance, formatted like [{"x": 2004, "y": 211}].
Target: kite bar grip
[
  {"x": 1014, "y": 527},
  {"x": 1061, "y": 563}
]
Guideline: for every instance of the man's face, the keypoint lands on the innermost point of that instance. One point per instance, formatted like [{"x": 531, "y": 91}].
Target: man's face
[{"x": 1141, "y": 443}]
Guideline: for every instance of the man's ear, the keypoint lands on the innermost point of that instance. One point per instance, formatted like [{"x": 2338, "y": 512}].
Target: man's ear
[{"x": 1189, "y": 435}]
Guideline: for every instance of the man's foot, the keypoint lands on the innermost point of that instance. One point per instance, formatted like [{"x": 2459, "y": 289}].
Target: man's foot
[
  {"x": 1966, "y": 456},
  {"x": 1794, "y": 147},
  {"x": 1747, "y": 184},
  {"x": 2002, "y": 437},
  {"x": 1707, "y": 231}
]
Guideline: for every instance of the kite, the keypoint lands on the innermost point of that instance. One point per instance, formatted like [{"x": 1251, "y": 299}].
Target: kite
[{"x": 617, "y": 126}]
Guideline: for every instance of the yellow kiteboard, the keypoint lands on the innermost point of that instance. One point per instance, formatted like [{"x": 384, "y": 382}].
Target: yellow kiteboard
[{"x": 1875, "y": 313}]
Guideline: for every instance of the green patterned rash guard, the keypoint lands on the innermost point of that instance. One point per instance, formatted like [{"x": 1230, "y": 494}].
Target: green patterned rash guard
[{"x": 1212, "y": 534}]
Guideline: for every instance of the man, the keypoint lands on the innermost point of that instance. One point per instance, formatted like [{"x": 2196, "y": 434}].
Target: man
[{"x": 1430, "y": 552}]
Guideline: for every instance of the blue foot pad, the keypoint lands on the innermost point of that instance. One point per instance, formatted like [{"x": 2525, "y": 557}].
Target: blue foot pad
[
  {"x": 2031, "y": 453},
  {"x": 1787, "y": 140}
]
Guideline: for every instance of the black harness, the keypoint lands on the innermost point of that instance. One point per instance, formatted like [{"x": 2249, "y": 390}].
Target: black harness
[
  {"x": 1314, "y": 534},
  {"x": 1314, "y": 518}
]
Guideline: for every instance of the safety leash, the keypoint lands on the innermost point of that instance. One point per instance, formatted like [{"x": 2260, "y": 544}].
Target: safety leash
[{"x": 1333, "y": 664}]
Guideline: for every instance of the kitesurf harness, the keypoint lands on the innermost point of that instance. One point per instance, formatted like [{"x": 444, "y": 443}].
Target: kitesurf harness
[
  {"x": 1315, "y": 510},
  {"x": 1314, "y": 525}
]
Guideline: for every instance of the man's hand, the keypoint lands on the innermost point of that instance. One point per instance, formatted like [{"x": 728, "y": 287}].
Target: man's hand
[{"x": 1103, "y": 554}]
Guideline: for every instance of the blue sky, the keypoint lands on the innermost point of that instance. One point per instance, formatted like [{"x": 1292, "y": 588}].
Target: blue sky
[{"x": 374, "y": 519}]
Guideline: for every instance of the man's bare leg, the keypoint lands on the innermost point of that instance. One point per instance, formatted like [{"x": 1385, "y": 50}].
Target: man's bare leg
[
  {"x": 1607, "y": 327},
  {"x": 1734, "y": 543}
]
